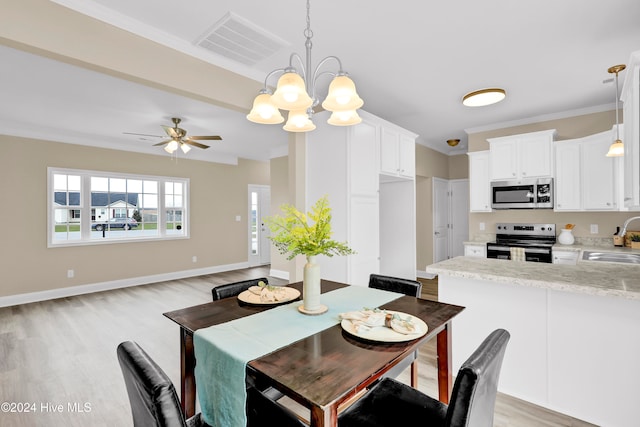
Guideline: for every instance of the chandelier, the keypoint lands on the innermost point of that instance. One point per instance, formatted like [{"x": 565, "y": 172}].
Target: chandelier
[{"x": 296, "y": 93}]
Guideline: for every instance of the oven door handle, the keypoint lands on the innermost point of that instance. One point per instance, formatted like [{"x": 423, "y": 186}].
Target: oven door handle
[
  {"x": 527, "y": 250},
  {"x": 498, "y": 248},
  {"x": 537, "y": 251}
]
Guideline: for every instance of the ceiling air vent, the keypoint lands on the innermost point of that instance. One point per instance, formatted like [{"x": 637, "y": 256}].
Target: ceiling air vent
[{"x": 240, "y": 40}]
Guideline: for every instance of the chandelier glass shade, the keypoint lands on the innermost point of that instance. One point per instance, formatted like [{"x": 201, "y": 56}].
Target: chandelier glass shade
[
  {"x": 617, "y": 147},
  {"x": 296, "y": 93}
]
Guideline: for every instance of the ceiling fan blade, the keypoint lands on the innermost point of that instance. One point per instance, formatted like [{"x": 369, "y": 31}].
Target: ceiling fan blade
[
  {"x": 142, "y": 134},
  {"x": 163, "y": 142},
  {"x": 206, "y": 138},
  {"x": 195, "y": 144},
  {"x": 171, "y": 131}
]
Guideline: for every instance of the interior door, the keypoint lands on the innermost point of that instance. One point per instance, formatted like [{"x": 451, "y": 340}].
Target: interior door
[
  {"x": 440, "y": 219},
  {"x": 259, "y": 208},
  {"x": 459, "y": 230}
]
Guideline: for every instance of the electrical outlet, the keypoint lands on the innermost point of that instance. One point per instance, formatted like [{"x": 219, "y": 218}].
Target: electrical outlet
[
  {"x": 194, "y": 259},
  {"x": 594, "y": 228},
  {"x": 482, "y": 226},
  {"x": 70, "y": 274},
  {"x": 238, "y": 217}
]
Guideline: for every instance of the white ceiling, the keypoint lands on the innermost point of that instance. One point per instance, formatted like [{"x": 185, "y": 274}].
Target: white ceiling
[{"x": 412, "y": 62}]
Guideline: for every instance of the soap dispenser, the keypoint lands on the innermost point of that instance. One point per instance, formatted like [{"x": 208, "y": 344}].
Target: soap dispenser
[{"x": 618, "y": 240}]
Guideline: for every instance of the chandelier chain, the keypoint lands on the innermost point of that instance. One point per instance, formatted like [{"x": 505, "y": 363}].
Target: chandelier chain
[{"x": 307, "y": 31}]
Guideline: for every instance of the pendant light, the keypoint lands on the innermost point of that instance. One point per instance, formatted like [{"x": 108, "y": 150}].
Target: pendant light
[
  {"x": 296, "y": 93},
  {"x": 617, "y": 148}
]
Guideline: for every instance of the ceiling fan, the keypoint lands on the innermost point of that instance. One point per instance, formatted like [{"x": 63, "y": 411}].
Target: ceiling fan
[{"x": 179, "y": 138}]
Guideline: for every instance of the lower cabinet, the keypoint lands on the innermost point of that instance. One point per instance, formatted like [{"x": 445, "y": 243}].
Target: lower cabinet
[
  {"x": 479, "y": 251},
  {"x": 565, "y": 257}
]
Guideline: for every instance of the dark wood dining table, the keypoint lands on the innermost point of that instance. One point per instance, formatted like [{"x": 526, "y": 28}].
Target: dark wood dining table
[{"x": 327, "y": 369}]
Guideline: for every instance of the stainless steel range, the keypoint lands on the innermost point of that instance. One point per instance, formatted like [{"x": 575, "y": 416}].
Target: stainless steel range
[{"x": 536, "y": 239}]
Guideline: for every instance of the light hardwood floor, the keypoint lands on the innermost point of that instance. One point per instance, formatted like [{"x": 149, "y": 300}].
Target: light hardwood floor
[{"x": 58, "y": 359}]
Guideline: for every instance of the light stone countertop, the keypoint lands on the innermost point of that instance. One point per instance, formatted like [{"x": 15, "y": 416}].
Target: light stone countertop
[{"x": 588, "y": 277}]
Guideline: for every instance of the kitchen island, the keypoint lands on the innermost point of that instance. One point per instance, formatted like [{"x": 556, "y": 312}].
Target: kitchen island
[{"x": 575, "y": 331}]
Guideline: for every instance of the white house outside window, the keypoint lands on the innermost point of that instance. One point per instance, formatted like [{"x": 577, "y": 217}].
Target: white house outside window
[{"x": 89, "y": 207}]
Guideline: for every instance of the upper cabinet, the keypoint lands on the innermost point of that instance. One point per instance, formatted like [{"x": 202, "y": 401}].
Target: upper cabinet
[
  {"x": 631, "y": 133},
  {"x": 397, "y": 152},
  {"x": 479, "y": 191},
  {"x": 586, "y": 179},
  {"x": 522, "y": 156}
]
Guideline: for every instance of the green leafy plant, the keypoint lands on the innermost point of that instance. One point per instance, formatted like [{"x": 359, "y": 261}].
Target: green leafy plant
[
  {"x": 635, "y": 238},
  {"x": 292, "y": 234}
]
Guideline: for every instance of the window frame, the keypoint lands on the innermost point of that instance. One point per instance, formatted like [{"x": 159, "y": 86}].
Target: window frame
[{"x": 85, "y": 208}]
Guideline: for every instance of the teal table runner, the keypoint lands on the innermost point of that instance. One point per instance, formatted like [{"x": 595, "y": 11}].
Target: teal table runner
[{"x": 223, "y": 351}]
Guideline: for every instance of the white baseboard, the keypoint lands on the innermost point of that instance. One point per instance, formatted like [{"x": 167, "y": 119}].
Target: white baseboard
[
  {"x": 114, "y": 284},
  {"x": 280, "y": 274}
]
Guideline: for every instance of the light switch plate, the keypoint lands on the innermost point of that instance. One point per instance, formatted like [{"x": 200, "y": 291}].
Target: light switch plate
[{"x": 594, "y": 228}]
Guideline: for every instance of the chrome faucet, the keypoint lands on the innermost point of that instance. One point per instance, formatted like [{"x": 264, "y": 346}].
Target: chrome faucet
[{"x": 626, "y": 224}]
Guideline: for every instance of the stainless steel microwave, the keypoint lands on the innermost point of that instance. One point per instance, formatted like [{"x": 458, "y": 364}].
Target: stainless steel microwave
[{"x": 522, "y": 194}]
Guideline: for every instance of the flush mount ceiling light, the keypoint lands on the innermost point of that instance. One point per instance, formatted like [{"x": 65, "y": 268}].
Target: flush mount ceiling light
[
  {"x": 617, "y": 148},
  {"x": 453, "y": 142},
  {"x": 296, "y": 93},
  {"x": 482, "y": 97}
]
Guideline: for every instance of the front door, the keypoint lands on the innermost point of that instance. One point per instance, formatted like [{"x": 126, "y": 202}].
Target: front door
[{"x": 259, "y": 208}]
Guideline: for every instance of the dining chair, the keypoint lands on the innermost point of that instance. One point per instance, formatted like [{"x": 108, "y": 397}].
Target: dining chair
[
  {"x": 232, "y": 289},
  {"x": 409, "y": 287},
  {"x": 412, "y": 288},
  {"x": 264, "y": 411},
  {"x": 472, "y": 403},
  {"x": 153, "y": 398}
]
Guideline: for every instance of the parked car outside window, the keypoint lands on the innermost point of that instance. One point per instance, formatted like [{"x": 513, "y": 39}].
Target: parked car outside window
[{"x": 124, "y": 223}]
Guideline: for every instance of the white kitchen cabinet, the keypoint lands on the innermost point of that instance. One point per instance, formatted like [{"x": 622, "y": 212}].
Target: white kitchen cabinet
[
  {"x": 521, "y": 156},
  {"x": 599, "y": 180},
  {"x": 631, "y": 133},
  {"x": 397, "y": 152},
  {"x": 479, "y": 189},
  {"x": 377, "y": 218},
  {"x": 478, "y": 251},
  {"x": 568, "y": 190},
  {"x": 586, "y": 179},
  {"x": 565, "y": 257}
]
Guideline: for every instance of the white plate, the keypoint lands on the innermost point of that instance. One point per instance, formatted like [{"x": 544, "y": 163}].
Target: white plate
[
  {"x": 385, "y": 334},
  {"x": 251, "y": 298}
]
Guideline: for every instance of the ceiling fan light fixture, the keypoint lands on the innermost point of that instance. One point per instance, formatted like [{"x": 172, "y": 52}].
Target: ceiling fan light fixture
[
  {"x": 453, "y": 142},
  {"x": 617, "y": 147},
  {"x": 185, "y": 148},
  {"x": 483, "y": 97},
  {"x": 171, "y": 147}
]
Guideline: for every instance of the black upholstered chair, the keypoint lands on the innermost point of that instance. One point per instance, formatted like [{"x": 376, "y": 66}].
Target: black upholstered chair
[
  {"x": 153, "y": 398},
  {"x": 263, "y": 411},
  {"x": 233, "y": 289},
  {"x": 412, "y": 288},
  {"x": 472, "y": 403}
]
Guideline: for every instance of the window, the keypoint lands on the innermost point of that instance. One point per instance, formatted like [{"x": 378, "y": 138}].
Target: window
[{"x": 87, "y": 207}]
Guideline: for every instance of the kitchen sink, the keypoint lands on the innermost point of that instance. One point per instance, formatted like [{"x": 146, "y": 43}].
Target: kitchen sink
[{"x": 623, "y": 257}]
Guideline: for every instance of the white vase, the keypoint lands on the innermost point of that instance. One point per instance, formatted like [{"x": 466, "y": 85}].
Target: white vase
[
  {"x": 566, "y": 237},
  {"x": 311, "y": 288}
]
